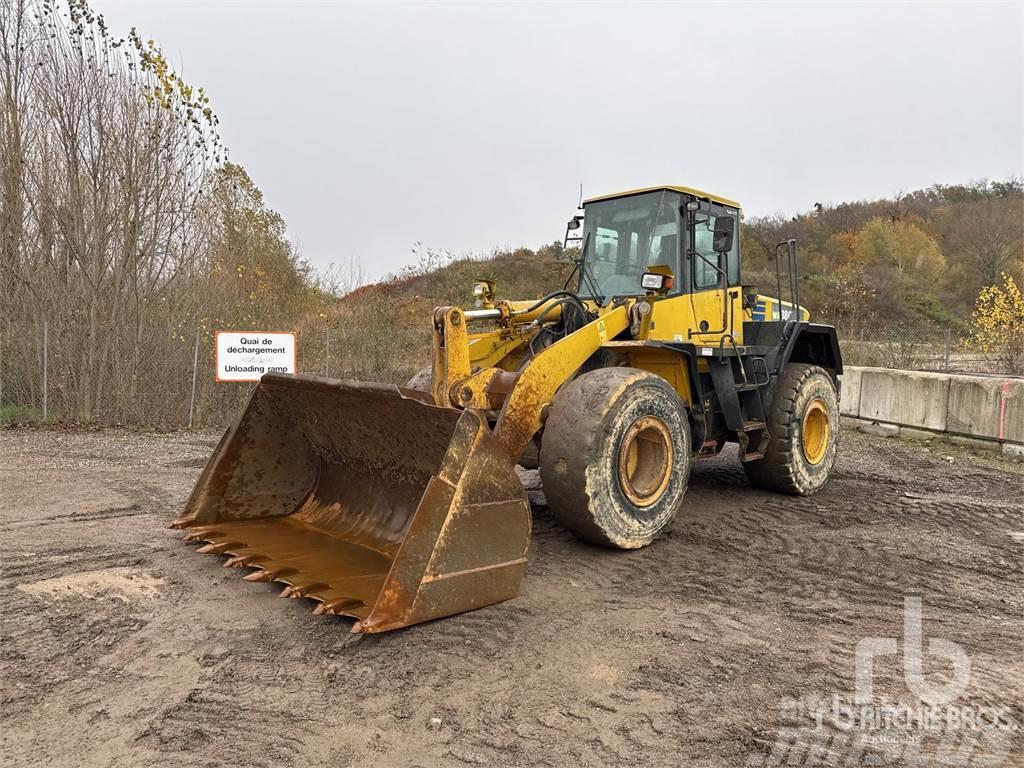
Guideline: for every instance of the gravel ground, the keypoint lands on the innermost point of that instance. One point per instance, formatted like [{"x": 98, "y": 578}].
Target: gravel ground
[{"x": 716, "y": 646}]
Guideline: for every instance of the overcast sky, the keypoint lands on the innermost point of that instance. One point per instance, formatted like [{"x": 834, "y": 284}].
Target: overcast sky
[{"x": 370, "y": 126}]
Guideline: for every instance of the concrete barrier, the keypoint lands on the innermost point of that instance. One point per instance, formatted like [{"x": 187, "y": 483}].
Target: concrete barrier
[
  {"x": 1011, "y": 427},
  {"x": 849, "y": 392},
  {"x": 914, "y": 398},
  {"x": 987, "y": 407}
]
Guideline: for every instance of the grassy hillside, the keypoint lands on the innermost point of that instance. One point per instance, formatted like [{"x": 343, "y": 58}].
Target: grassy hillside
[
  {"x": 922, "y": 256},
  {"x": 919, "y": 258},
  {"x": 914, "y": 264},
  {"x": 382, "y": 331}
]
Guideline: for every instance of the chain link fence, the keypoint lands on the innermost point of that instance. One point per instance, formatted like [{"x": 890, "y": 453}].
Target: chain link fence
[
  {"x": 917, "y": 348},
  {"x": 172, "y": 384}
]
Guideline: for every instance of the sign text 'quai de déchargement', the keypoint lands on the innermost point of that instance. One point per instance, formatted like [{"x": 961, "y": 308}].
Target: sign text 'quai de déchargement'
[{"x": 247, "y": 355}]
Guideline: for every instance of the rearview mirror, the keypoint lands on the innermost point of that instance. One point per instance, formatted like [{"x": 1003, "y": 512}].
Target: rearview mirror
[{"x": 725, "y": 227}]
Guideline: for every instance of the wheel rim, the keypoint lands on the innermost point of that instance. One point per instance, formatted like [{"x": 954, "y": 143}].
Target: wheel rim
[
  {"x": 815, "y": 432},
  {"x": 645, "y": 461}
]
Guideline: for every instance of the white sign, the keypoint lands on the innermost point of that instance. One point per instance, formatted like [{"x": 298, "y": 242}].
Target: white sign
[{"x": 247, "y": 355}]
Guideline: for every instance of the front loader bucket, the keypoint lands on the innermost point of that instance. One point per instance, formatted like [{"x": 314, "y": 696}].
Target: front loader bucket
[{"x": 367, "y": 498}]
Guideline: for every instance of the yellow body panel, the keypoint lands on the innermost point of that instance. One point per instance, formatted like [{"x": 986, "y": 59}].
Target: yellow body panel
[
  {"x": 451, "y": 362},
  {"x": 663, "y": 362},
  {"x": 481, "y": 370},
  {"x": 487, "y": 350},
  {"x": 678, "y": 318}
]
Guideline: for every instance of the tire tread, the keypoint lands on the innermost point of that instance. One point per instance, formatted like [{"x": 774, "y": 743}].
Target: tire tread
[{"x": 775, "y": 471}]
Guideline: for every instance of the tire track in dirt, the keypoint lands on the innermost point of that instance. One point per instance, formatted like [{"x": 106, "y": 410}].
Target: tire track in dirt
[
  {"x": 108, "y": 513},
  {"x": 47, "y": 642},
  {"x": 22, "y": 567},
  {"x": 676, "y": 654},
  {"x": 488, "y": 635},
  {"x": 217, "y": 727}
]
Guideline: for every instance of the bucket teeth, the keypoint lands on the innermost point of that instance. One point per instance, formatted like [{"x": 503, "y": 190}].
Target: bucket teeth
[
  {"x": 341, "y": 604},
  {"x": 242, "y": 561},
  {"x": 203, "y": 534},
  {"x": 216, "y": 549},
  {"x": 270, "y": 574},
  {"x": 303, "y": 589},
  {"x": 332, "y": 607}
]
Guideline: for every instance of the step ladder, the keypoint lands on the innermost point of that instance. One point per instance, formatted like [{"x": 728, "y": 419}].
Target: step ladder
[{"x": 739, "y": 397}]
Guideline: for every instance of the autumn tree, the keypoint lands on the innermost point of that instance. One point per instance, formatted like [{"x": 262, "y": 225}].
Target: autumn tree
[
  {"x": 999, "y": 325},
  {"x": 116, "y": 206},
  {"x": 258, "y": 276},
  {"x": 986, "y": 239},
  {"x": 900, "y": 246}
]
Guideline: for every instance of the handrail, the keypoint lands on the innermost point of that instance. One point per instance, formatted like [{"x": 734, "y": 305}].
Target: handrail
[
  {"x": 736, "y": 348},
  {"x": 787, "y": 325}
]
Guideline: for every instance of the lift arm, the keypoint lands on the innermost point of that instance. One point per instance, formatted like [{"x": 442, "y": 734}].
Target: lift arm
[{"x": 521, "y": 415}]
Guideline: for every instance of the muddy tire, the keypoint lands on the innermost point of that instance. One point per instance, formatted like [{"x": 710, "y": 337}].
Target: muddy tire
[
  {"x": 615, "y": 458},
  {"x": 803, "y": 427}
]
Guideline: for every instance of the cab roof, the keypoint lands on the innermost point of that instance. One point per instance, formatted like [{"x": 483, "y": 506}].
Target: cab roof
[{"x": 685, "y": 190}]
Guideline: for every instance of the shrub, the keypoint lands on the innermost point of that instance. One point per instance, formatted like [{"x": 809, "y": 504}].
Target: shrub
[{"x": 999, "y": 325}]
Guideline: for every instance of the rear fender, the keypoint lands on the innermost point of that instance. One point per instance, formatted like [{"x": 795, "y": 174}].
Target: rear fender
[{"x": 816, "y": 344}]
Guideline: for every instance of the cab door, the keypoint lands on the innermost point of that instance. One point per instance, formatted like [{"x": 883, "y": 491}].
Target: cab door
[{"x": 712, "y": 306}]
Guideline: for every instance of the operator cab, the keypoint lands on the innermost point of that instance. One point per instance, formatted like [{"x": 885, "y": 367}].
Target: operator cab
[{"x": 669, "y": 228}]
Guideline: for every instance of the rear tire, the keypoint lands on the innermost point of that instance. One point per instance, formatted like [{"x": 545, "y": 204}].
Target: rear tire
[
  {"x": 615, "y": 458},
  {"x": 803, "y": 428}
]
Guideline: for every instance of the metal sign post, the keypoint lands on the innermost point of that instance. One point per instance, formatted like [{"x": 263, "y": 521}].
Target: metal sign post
[
  {"x": 195, "y": 368},
  {"x": 46, "y": 366}
]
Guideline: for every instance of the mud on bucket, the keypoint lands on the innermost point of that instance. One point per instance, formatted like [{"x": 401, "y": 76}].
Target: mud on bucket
[{"x": 367, "y": 498}]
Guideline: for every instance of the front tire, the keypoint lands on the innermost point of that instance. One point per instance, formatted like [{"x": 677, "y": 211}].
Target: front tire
[
  {"x": 615, "y": 458},
  {"x": 803, "y": 428}
]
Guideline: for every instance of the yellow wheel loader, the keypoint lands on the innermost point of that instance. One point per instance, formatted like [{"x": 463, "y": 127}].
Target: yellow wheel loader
[{"x": 398, "y": 505}]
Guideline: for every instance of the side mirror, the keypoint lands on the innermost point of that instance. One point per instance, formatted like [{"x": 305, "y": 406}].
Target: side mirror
[
  {"x": 574, "y": 222},
  {"x": 724, "y": 229}
]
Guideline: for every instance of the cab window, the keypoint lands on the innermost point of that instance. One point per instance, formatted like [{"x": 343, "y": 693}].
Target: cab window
[
  {"x": 705, "y": 276},
  {"x": 624, "y": 237}
]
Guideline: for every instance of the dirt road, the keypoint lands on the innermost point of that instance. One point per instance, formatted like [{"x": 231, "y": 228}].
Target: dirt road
[{"x": 122, "y": 647}]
